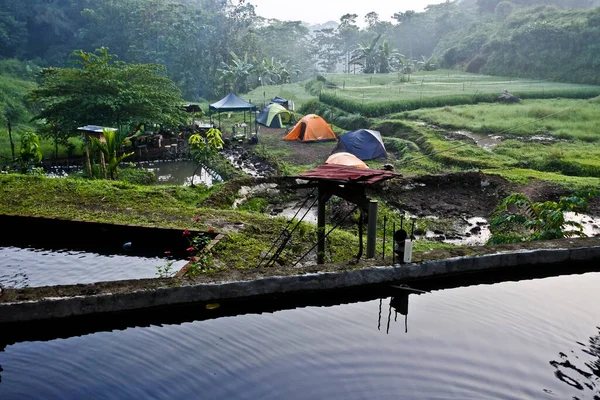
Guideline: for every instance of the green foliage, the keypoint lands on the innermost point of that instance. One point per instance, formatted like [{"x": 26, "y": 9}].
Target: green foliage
[
  {"x": 517, "y": 218},
  {"x": 110, "y": 148},
  {"x": 29, "y": 153},
  {"x": 204, "y": 149},
  {"x": 335, "y": 115},
  {"x": 108, "y": 93},
  {"x": 255, "y": 204},
  {"x": 137, "y": 176}
]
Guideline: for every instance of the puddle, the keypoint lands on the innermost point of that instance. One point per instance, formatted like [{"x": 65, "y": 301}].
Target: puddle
[
  {"x": 475, "y": 231},
  {"x": 290, "y": 209},
  {"x": 247, "y": 191},
  {"x": 591, "y": 225},
  {"x": 487, "y": 142}
]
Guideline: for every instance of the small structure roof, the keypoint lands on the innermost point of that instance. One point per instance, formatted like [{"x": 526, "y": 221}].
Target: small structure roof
[
  {"x": 231, "y": 102},
  {"x": 344, "y": 174},
  {"x": 192, "y": 108},
  {"x": 95, "y": 128}
]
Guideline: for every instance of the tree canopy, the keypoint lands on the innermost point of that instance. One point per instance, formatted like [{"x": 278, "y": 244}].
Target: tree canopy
[
  {"x": 106, "y": 92},
  {"x": 195, "y": 40}
]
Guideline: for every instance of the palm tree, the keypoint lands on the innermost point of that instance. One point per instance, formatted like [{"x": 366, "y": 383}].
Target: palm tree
[{"x": 517, "y": 218}]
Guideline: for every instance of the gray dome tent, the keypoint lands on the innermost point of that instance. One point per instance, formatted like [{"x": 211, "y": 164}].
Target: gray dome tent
[{"x": 363, "y": 143}]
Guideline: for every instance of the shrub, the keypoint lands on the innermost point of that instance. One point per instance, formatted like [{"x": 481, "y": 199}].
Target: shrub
[{"x": 137, "y": 176}]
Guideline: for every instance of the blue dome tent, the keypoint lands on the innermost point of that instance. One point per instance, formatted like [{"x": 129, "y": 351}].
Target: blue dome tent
[{"x": 363, "y": 143}]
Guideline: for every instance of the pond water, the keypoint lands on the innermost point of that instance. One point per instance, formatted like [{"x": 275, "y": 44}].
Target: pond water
[
  {"x": 182, "y": 172},
  {"x": 28, "y": 267},
  {"x": 168, "y": 172},
  {"x": 535, "y": 339}
]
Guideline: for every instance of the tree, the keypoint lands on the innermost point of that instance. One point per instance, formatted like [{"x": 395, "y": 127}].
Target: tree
[
  {"x": 368, "y": 55},
  {"x": 30, "y": 152},
  {"x": 328, "y": 52},
  {"x": 108, "y": 93},
  {"x": 348, "y": 36},
  {"x": 237, "y": 72},
  {"x": 518, "y": 219}
]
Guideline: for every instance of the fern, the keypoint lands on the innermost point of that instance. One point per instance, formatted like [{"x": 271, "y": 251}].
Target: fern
[{"x": 518, "y": 219}]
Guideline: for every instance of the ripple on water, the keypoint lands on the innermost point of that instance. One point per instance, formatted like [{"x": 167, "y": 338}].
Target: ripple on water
[{"x": 479, "y": 342}]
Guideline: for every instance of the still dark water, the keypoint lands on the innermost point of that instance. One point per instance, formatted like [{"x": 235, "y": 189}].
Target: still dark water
[
  {"x": 181, "y": 172},
  {"x": 29, "y": 267},
  {"x": 512, "y": 340}
]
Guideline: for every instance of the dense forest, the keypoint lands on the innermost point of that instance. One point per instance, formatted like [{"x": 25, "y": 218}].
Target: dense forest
[{"x": 211, "y": 46}]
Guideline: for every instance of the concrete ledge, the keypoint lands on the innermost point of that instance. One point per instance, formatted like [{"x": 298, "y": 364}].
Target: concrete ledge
[{"x": 61, "y": 307}]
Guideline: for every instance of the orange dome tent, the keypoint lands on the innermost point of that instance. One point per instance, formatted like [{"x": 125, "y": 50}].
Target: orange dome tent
[
  {"x": 343, "y": 158},
  {"x": 311, "y": 128}
]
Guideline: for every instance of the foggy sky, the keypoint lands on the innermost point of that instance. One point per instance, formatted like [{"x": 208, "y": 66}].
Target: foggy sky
[{"x": 319, "y": 11}]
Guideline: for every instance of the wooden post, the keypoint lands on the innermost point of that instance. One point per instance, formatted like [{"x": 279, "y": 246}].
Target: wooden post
[
  {"x": 103, "y": 166},
  {"x": 372, "y": 229},
  {"x": 12, "y": 144},
  {"x": 88, "y": 162},
  {"x": 360, "y": 235},
  {"x": 321, "y": 227}
]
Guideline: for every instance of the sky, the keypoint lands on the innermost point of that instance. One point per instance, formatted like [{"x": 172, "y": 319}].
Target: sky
[{"x": 320, "y": 11}]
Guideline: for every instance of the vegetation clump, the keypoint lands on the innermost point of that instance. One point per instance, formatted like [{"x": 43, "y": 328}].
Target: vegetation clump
[{"x": 517, "y": 218}]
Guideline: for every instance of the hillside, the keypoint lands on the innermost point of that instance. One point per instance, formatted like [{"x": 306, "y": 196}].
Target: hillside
[{"x": 538, "y": 43}]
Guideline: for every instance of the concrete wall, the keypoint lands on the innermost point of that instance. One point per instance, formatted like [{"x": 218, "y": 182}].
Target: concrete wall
[{"x": 53, "y": 307}]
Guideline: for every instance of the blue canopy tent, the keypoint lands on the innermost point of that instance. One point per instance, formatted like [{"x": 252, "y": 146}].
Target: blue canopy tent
[
  {"x": 363, "y": 143},
  {"x": 231, "y": 102}
]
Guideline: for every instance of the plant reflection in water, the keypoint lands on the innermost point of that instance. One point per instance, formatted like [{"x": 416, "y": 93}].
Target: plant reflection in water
[{"x": 583, "y": 378}]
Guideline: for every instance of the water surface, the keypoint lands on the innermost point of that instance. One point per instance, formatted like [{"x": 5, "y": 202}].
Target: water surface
[
  {"x": 29, "y": 267},
  {"x": 513, "y": 340}
]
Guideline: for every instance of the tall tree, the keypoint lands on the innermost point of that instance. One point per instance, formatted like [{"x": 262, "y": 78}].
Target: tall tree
[
  {"x": 348, "y": 36},
  {"x": 106, "y": 92}
]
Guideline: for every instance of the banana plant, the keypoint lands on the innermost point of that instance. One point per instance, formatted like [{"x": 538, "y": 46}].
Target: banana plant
[{"x": 110, "y": 149}]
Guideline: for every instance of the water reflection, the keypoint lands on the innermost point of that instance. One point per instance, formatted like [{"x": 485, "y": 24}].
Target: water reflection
[
  {"x": 399, "y": 304},
  {"x": 583, "y": 378},
  {"x": 181, "y": 172}
]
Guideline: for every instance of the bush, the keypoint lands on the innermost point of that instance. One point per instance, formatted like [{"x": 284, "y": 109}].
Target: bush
[{"x": 137, "y": 176}]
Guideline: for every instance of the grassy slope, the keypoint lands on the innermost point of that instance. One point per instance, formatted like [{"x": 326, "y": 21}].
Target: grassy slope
[
  {"x": 17, "y": 89},
  {"x": 562, "y": 118},
  {"x": 388, "y": 87},
  {"x": 170, "y": 206}
]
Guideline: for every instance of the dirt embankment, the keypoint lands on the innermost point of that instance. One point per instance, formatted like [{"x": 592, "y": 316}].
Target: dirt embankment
[{"x": 471, "y": 194}]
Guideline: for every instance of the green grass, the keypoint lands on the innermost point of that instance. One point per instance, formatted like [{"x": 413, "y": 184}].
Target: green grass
[
  {"x": 574, "y": 159},
  {"x": 167, "y": 206},
  {"x": 525, "y": 176},
  {"x": 367, "y": 89},
  {"x": 561, "y": 118}
]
